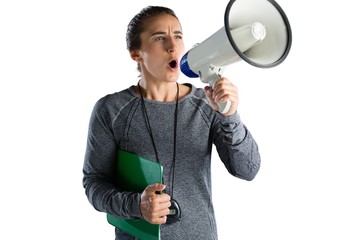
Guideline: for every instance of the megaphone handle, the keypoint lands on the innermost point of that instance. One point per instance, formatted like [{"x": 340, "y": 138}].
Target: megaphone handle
[{"x": 223, "y": 107}]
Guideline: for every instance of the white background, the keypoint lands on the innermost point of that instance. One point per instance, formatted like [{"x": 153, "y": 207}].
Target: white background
[{"x": 58, "y": 57}]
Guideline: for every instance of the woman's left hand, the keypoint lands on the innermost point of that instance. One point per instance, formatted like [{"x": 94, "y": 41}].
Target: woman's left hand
[{"x": 223, "y": 91}]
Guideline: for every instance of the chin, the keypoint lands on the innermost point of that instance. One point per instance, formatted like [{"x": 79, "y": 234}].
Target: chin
[
  {"x": 173, "y": 76},
  {"x": 174, "y": 79}
]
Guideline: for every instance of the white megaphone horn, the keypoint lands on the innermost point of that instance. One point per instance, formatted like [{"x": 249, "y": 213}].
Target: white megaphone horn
[{"x": 256, "y": 31}]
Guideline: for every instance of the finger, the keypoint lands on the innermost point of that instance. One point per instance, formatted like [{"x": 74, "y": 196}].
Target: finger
[
  {"x": 224, "y": 95},
  {"x": 156, "y": 202},
  {"x": 224, "y": 87},
  {"x": 149, "y": 195},
  {"x": 158, "y": 220},
  {"x": 160, "y": 216},
  {"x": 221, "y": 81},
  {"x": 155, "y": 209},
  {"x": 157, "y": 187},
  {"x": 158, "y": 208},
  {"x": 225, "y": 90}
]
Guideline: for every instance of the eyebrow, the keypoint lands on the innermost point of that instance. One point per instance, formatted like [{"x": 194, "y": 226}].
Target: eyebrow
[{"x": 163, "y": 33}]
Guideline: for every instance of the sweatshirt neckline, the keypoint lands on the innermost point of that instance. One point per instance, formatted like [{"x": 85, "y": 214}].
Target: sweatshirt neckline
[{"x": 159, "y": 102}]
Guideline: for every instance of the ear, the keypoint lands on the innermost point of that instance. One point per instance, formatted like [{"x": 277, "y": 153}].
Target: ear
[{"x": 134, "y": 54}]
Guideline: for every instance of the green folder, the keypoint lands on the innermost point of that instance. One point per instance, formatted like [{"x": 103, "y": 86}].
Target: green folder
[{"x": 134, "y": 174}]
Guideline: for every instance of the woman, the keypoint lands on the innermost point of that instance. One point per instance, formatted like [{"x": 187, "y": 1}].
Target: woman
[{"x": 174, "y": 124}]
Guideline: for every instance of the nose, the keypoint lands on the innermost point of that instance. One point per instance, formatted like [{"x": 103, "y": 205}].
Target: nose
[{"x": 171, "y": 46}]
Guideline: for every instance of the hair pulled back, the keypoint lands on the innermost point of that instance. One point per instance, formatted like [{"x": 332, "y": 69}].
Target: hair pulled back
[{"x": 137, "y": 25}]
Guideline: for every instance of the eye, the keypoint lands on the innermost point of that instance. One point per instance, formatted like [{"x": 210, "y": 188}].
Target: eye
[{"x": 159, "y": 38}]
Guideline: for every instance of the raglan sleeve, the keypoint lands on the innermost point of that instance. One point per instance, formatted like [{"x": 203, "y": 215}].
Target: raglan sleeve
[
  {"x": 99, "y": 168},
  {"x": 236, "y": 146}
]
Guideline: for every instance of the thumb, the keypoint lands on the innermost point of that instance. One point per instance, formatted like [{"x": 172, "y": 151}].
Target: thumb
[
  {"x": 156, "y": 187},
  {"x": 209, "y": 94},
  {"x": 208, "y": 90}
]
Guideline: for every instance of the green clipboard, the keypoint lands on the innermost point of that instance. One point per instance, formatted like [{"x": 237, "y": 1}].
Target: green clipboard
[{"x": 134, "y": 174}]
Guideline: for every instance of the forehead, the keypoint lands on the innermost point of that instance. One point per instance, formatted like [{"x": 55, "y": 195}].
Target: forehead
[{"x": 162, "y": 23}]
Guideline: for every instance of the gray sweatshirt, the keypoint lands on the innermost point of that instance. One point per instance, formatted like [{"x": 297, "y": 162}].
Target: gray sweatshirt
[{"x": 118, "y": 122}]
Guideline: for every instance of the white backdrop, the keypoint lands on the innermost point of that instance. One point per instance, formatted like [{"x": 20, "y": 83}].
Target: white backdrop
[{"x": 58, "y": 57}]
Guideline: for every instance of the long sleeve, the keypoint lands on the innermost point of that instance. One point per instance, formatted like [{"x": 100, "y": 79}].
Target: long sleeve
[
  {"x": 118, "y": 122},
  {"x": 99, "y": 168},
  {"x": 236, "y": 147}
]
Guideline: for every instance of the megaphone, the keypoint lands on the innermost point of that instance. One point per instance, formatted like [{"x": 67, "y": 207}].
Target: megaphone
[{"x": 257, "y": 31}]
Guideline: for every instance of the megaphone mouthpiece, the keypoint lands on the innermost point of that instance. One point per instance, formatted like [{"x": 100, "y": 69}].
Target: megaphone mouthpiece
[
  {"x": 248, "y": 36},
  {"x": 258, "y": 30}
]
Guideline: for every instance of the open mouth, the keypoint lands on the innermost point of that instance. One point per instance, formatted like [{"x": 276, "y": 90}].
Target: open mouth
[{"x": 173, "y": 64}]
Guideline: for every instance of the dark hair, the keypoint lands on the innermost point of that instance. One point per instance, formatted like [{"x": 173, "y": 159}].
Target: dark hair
[{"x": 137, "y": 24}]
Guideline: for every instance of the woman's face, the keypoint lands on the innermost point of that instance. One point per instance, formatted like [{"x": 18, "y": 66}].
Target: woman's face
[{"x": 161, "y": 48}]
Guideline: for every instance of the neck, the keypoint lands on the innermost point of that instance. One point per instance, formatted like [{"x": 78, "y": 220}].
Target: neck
[{"x": 164, "y": 92}]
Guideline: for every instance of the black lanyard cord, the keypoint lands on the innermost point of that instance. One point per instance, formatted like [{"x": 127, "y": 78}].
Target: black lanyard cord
[{"x": 172, "y": 169}]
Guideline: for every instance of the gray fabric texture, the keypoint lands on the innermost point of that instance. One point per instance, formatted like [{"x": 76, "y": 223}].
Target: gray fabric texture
[{"x": 118, "y": 122}]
